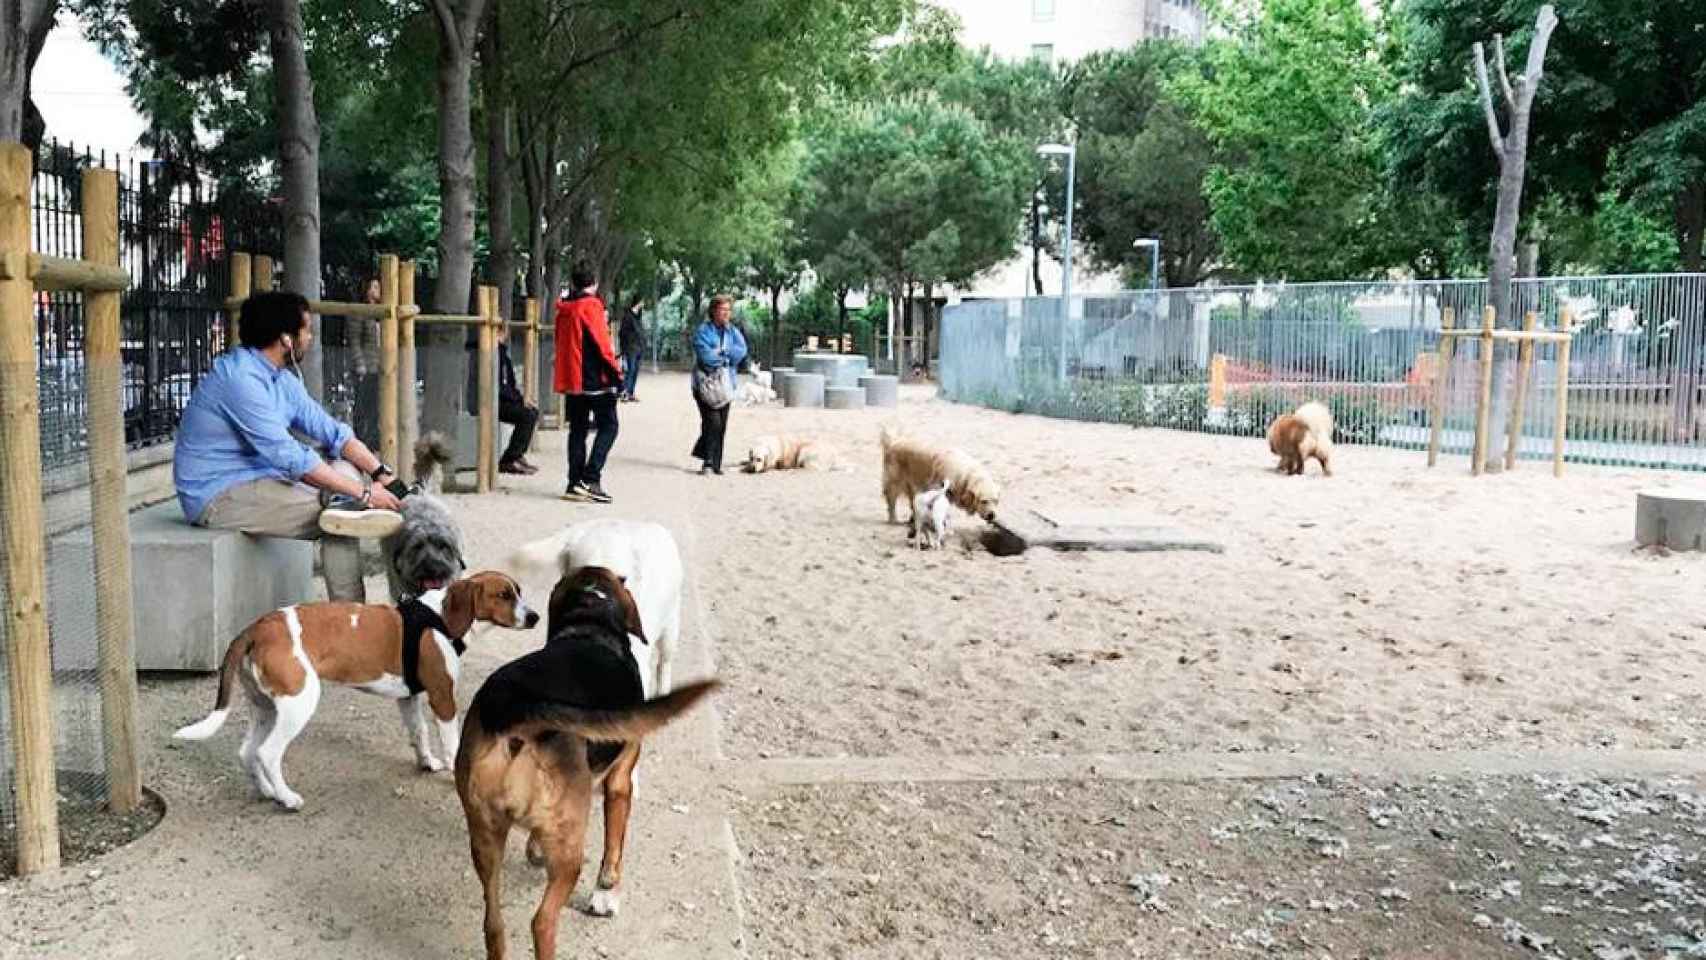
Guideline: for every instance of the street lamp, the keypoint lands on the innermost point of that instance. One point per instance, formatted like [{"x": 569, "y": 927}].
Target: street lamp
[
  {"x": 1154, "y": 245},
  {"x": 1071, "y": 154}
]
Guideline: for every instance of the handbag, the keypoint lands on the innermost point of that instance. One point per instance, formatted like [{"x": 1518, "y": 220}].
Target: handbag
[{"x": 711, "y": 388}]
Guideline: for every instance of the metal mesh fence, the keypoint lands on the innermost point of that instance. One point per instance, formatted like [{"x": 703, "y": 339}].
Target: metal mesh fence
[
  {"x": 1369, "y": 350},
  {"x": 66, "y": 548}
]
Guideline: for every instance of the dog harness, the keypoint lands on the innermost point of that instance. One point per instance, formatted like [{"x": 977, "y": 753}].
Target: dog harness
[{"x": 418, "y": 618}]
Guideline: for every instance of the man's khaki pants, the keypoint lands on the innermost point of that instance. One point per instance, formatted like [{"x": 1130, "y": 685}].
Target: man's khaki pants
[{"x": 274, "y": 508}]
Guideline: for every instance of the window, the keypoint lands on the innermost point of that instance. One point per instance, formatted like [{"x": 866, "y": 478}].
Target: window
[
  {"x": 1042, "y": 9},
  {"x": 1043, "y": 52}
]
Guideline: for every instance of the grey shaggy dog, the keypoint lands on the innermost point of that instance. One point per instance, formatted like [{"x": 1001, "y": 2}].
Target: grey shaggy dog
[{"x": 427, "y": 552}]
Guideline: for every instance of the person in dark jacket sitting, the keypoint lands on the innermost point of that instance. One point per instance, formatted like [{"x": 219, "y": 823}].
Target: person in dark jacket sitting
[{"x": 519, "y": 411}]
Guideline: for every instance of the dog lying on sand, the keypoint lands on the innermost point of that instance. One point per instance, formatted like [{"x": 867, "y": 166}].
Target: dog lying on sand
[
  {"x": 782, "y": 452},
  {"x": 1298, "y": 436},
  {"x": 911, "y": 467}
]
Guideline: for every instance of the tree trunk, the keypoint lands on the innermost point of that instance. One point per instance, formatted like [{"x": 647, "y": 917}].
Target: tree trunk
[
  {"x": 841, "y": 309},
  {"x": 1690, "y": 213},
  {"x": 1512, "y": 152},
  {"x": 500, "y": 185},
  {"x": 778, "y": 339},
  {"x": 299, "y": 165},
  {"x": 1036, "y": 246},
  {"x": 23, "y": 29},
  {"x": 445, "y": 369},
  {"x": 929, "y": 325}
]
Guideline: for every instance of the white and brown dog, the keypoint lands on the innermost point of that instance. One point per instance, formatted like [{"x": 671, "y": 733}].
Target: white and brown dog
[
  {"x": 911, "y": 467},
  {"x": 409, "y": 654},
  {"x": 931, "y": 518},
  {"x": 1299, "y": 436}
]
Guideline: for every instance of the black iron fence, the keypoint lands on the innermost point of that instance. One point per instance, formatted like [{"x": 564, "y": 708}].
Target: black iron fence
[{"x": 175, "y": 227}]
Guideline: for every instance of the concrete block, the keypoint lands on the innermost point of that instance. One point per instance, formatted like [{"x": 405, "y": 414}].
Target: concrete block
[
  {"x": 1675, "y": 519},
  {"x": 803, "y": 390},
  {"x": 193, "y": 589},
  {"x": 881, "y": 391},
  {"x": 468, "y": 441},
  {"x": 844, "y": 398},
  {"x": 838, "y": 369}
]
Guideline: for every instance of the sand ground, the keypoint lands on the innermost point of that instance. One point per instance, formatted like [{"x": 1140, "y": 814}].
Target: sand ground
[{"x": 1395, "y": 693}]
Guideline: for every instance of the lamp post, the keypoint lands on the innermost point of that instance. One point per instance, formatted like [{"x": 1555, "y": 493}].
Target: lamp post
[
  {"x": 1071, "y": 154},
  {"x": 1154, "y": 245}
]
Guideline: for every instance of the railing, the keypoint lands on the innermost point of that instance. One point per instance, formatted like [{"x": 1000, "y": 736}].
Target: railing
[{"x": 1637, "y": 364}]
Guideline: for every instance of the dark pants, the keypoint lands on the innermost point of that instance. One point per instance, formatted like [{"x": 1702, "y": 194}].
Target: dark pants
[
  {"x": 600, "y": 410},
  {"x": 524, "y": 419},
  {"x": 366, "y": 415},
  {"x": 630, "y": 373},
  {"x": 713, "y": 424}
]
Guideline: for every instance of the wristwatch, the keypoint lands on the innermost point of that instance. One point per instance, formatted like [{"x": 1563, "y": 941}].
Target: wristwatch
[{"x": 381, "y": 471}]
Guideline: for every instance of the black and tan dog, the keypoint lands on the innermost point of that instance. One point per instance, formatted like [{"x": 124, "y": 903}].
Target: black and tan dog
[{"x": 541, "y": 732}]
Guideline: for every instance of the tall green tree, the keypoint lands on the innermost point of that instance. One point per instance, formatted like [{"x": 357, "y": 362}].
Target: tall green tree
[
  {"x": 1287, "y": 100},
  {"x": 1142, "y": 162},
  {"x": 1621, "y": 110},
  {"x": 928, "y": 191}
]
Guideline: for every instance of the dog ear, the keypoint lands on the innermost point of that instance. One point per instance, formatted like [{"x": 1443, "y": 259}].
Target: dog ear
[
  {"x": 631, "y": 616},
  {"x": 458, "y": 610}
]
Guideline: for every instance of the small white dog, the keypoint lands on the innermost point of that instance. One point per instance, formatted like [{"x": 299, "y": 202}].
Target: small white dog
[
  {"x": 931, "y": 517},
  {"x": 647, "y": 559},
  {"x": 755, "y": 393}
]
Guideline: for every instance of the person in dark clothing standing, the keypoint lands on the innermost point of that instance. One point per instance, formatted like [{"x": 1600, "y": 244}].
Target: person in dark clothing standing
[
  {"x": 718, "y": 347},
  {"x": 633, "y": 343},
  {"x": 519, "y": 411},
  {"x": 590, "y": 377}
]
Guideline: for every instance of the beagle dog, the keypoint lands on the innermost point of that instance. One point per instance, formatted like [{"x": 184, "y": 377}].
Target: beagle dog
[
  {"x": 410, "y": 654},
  {"x": 540, "y": 734}
]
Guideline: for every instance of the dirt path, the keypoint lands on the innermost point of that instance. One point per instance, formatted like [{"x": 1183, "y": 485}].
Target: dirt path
[{"x": 377, "y": 864}]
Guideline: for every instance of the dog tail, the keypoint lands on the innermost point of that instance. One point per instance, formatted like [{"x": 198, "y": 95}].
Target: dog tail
[
  {"x": 611, "y": 726},
  {"x": 1319, "y": 419},
  {"x": 210, "y": 724},
  {"x": 539, "y": 559},
  {"x": 432, "y": 456},
  {"x": 889, "y": 435}
]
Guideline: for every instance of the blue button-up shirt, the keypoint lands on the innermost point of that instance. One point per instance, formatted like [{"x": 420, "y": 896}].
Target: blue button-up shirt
[{"x": 237, "y": 426}]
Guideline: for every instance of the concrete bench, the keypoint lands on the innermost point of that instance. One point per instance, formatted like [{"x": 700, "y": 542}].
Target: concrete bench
[{"x": 193, "y": 589}]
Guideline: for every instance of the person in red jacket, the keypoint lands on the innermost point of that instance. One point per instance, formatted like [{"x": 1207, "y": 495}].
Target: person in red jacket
[{"x": 591, "y": 376}]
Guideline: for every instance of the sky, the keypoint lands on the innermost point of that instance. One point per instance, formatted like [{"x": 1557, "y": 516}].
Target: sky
[{"x": 81, "y": 94}]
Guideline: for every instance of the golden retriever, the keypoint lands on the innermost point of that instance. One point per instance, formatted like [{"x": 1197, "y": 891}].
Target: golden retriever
[
  {"x": 1298, "y": 436},
  {"x": 782, "y": 452},
  {"x": 911, "y": 467}
]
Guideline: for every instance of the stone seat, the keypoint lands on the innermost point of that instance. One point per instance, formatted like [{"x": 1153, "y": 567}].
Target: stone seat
[{"x": 192, "y": 589}]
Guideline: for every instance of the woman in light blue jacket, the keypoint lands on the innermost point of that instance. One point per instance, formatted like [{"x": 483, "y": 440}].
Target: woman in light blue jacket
[{"x": 718, "y": 347}]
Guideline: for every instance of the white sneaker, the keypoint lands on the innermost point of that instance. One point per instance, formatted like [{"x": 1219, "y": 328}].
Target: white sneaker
[{"x": 362, "y": 524}]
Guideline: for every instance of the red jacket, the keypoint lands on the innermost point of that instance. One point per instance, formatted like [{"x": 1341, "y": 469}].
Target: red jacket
[{"x": 586, "y": 362}]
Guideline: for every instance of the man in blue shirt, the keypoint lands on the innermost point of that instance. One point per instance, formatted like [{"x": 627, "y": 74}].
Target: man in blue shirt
[{"x": 237, "y": 465}]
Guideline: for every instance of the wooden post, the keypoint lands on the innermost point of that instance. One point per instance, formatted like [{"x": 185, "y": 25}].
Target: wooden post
[
  {"x": 485, "y": 472},
  {"x": 1217, "y": 381},
  {"x": 240, "y": 274},
  {"x": 1441, "y": 385},
  {"x": 530, "y": 353},
  {"x": 108, "y": 498},
  {"x": 1483, "y": 406},
  {"x": 389, "y": 450},
  {"x": 1524, "y": 364},
  {"x": 562, "y": 411},
  {"x": 29, "y": 667},
  {"x": 1564, "y": 326},
  {"x": 263, "y": 273},
  {"x": 408, "y": 421}
]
